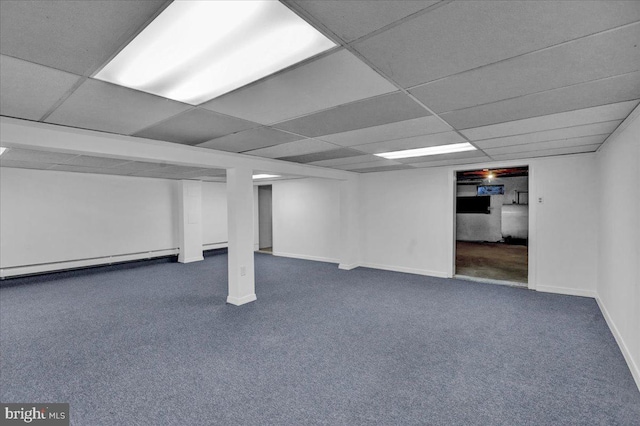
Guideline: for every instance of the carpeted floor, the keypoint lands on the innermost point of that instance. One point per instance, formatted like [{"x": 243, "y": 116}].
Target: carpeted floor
[{"x": 155, "y": 344}]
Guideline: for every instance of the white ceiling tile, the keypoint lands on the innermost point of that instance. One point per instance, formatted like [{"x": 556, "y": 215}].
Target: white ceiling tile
[
  {"x": 551, "y": 135},
  {"x": 99, "y": 162},
  {"x": 347, "y": 160},
  {"x": 106, "y": 107},
  {"x": 390, "y": 168},
  {"x": 30, "y": 90},
  {"x": 194, "y": 127},
  {"x": 138, "y": 166},
  {"x": 585, "y": 95},
  {"x": 453, "y": 162},
  {"x": 305, "y": 146},
  {"x": 450, "y": 156},
  {"x": 85, "y": 169},
  {"x": 75, "y": 36},
  {"x": 249, "y": 140},
  {"x": 34, "y": 156},
  {"x": 376, "y": 163},
  {"x": 617, "y": 111},
  {"x": 590, "y": 58},
  {"x": 357, "y": 115},
  {"x": 462, "y": 35},
  {"x": 354, "y": 19},
  {"x": 547, "y": 152},
  {"x": 423, "y": 141},
  {"x": 333, "y": 80},
  {"x": 398, "y": 130},
  {"x": 324, "y": 155},
  {"x": 539, "y": 146},
  {"x": 23, "y": 164}
]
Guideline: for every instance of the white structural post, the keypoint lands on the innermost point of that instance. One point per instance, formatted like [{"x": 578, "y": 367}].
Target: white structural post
[
  {"x": 240, "y": 226},
  {"x": 190, "y": 221},
  {"x": 349, "y": 224}
]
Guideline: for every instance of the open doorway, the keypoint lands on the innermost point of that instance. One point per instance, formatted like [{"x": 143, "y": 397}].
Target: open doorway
[
  {"x": 492, "y": 224},
  {"x": 265, "y": 219}
]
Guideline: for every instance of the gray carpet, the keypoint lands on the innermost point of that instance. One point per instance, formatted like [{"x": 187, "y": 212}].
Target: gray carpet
[{"x": 155, "y": 344}]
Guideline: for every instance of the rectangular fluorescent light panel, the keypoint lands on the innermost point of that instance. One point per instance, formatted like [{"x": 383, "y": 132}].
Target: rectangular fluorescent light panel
[
  {"x": 432, "y": 150},
  {"x": 195, "y": 51},
  {"x": 265, "y": 176}
]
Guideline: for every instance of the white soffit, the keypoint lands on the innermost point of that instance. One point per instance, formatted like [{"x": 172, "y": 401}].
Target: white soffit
[
  {"x": 549, "y": 135},
  {"x": 423, "y": 141},
  {"x": 617, "y": 111},
  {"x": 553, "y": 144},
  {"x": 305, "y": 146},
  {"x": 467, "y": 34},
  {"x": 398, "y": 130},
  {"x": 30, "y": 90},
  {"x": 330, "y": 81},
  {"x": 195, "y": 51}
]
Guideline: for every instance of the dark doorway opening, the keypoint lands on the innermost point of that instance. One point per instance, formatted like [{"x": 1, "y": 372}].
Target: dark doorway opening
[
  {"x": 492, "y": 224},
  {"x": 265, "y": 219}
]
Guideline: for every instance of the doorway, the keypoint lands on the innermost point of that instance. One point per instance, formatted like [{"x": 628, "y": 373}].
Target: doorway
[
  {"x": 492, "y": 225},
  {"x": 265, "y": 219}
]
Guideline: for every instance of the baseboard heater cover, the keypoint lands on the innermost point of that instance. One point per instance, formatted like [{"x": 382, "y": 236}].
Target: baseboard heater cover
[{"x": 42, "y": 268}]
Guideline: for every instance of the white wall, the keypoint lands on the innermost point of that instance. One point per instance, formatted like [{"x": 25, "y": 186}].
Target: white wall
[
  {"x": 306, "y": 219},
  {"x": 214, "y": 213},
  {"x": 619, "y": 254},
  {"x": 50, "y": 216},
  {"x": 407, "y": 222},
  {"x": 567, "y": 219}
]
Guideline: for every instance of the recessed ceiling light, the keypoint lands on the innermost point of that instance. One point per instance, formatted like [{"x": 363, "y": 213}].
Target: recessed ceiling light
[
  {"x": 264, "y": 176},
  {"x": 195, "y": 51},
  {"x": 432, "y": 150}
]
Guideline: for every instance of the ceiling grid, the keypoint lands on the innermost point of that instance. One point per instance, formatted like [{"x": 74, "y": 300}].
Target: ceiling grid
[{"x": 505, "y": 77}]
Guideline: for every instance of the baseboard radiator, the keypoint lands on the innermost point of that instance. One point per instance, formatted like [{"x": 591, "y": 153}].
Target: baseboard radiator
[{"x": 41, "y": 268}]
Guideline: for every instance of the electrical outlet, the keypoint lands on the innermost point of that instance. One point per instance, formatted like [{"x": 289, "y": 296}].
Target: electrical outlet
[{"x": 540, "y": 200}]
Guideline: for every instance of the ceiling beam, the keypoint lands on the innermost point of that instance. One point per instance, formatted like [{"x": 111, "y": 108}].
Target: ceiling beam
[{"x": 16, "y": 133}]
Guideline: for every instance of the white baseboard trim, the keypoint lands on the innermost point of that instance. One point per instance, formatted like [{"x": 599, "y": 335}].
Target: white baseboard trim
[
  {"x": 238, "y": 301},
  {"x": 41, "y": 268},
  {"x": 211, "y": 246},
  {"x": 306, "y": 257},
  {"x": 567, "y": 291},
  {"x": 405, "y": 270},
  {"x": 348, "y": 266},
  {"x": 190, "y": 259},
  {"x": 635, "y": 370}
]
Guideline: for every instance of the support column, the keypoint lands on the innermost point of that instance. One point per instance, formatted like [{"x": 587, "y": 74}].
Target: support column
[
  {"x": 349, "y": 224},
  {"x": 190, "y": 221},
  {"x": 240, "y": 226}
]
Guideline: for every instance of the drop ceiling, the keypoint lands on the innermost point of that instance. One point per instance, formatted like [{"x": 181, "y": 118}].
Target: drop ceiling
[{"x": 516, "y": 79}]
